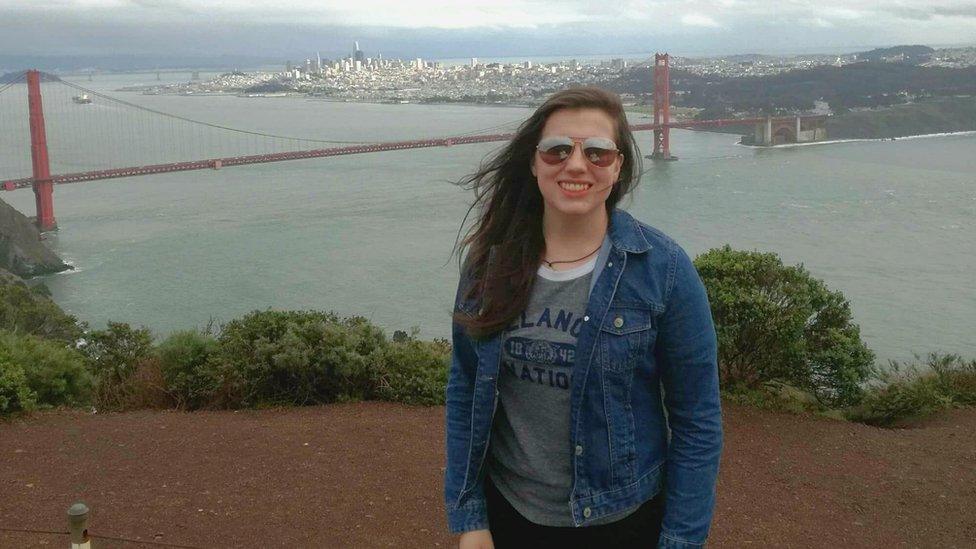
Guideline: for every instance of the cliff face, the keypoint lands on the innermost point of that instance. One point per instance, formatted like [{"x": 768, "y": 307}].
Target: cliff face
[{"x": 21, "y": 249}]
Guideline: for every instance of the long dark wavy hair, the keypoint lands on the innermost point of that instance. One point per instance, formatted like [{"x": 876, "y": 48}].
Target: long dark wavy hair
[{"x": 506, "y": 243}]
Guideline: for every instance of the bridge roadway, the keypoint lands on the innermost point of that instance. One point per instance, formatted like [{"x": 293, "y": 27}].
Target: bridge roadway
[{"x": 216, "y": 163}]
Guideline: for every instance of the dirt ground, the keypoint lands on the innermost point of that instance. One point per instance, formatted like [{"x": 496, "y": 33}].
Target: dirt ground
[{"x": 370, "y": 475}]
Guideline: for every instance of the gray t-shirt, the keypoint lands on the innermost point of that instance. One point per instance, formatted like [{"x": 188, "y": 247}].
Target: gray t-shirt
[{"x": 530, "y": 459}]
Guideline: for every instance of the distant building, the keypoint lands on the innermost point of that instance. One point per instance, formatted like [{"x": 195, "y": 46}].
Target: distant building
[
  {"x": 357, "y": 54},
  {"x": 474, "y": 62},
  {"x": 419, "y": 64}
]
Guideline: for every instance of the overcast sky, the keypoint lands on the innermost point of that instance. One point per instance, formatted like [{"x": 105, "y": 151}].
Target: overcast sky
[{"x": 486, "y": 28}]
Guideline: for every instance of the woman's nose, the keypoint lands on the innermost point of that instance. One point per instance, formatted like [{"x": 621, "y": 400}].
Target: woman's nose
[{"x": 576, "y": 161}]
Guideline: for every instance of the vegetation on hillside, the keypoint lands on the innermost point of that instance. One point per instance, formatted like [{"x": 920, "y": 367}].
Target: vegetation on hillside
[
  {"x": 785, "y": 342},
  {"x": 938, "y": 115},
  {"x": 865, "y": 84}
]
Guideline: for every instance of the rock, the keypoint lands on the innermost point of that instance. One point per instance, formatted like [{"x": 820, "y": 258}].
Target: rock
[{"x": 21, "y": 249}]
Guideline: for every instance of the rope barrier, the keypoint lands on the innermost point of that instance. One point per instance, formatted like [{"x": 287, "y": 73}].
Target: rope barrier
[{"x": 96, "y": 536}]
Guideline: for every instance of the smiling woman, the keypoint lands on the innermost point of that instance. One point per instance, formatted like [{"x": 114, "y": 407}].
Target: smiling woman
[{"x": 570, "y": 317}]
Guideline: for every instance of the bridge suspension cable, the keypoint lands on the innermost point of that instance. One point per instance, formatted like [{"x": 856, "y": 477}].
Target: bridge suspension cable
[
  {"x": 202, "y": 123},
  {"x": 17, "y": 80}
]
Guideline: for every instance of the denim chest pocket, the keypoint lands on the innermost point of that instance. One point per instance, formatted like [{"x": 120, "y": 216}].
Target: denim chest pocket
[{"x": 628, "y": 332}]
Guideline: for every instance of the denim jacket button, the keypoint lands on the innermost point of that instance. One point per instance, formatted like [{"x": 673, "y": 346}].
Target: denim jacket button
[
  {"x": 579, "y": 450},
  {"x": 618, "y": 322},
  {"x": 586, "y": 318},
  {"x": 587, "y": 512},
  {"x": 610, "y": 264}
]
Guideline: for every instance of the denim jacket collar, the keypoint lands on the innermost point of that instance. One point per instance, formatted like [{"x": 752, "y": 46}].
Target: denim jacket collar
[{"x": 624, "y": 234}]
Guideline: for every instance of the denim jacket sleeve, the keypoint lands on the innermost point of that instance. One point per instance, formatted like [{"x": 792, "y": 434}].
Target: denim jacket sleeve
[
  {"x": 473, "y": 514},
  {"x": 688, "y": 354}
]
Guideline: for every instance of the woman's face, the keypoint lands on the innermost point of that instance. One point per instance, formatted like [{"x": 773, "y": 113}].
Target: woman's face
[{"x": 575, "y": 186}]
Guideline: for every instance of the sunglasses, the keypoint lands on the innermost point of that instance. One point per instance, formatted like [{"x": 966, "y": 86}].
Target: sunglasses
[{"x": 599, "y": 151}]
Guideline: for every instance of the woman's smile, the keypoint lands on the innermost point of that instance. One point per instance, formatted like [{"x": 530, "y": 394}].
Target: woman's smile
[{"x": 575, "y": 188}]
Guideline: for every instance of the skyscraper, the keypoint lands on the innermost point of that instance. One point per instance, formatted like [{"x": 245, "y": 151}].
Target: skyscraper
[{"x": 357, "y": 54}]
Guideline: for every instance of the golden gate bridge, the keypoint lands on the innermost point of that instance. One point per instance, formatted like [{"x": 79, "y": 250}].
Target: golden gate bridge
[{"x": 192, "y": 140}]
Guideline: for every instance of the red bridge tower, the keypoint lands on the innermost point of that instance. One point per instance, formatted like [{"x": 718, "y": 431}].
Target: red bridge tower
[
  {"x": 662, "y": 107},
  {"x": 43, "y": 186}
]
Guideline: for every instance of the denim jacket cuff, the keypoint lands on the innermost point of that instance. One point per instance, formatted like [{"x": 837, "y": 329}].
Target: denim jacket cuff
[
  {"x": 667, "y": 542},
  {"x": 472, "y": 516}
]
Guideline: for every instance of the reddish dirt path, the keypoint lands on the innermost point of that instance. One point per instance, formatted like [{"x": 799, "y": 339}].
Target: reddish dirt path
[{"x": 369, "y": 475}]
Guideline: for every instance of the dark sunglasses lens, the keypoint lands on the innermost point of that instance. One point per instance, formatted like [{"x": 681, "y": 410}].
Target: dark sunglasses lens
[
  {"x": 555, "y": 153},
  {"x": 600, "y": 157}
]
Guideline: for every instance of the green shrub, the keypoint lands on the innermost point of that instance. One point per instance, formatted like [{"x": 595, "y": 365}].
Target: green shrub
[
  {"x": 910, "y": 391},
  {"x": 57, "y": 374},
  {"x": 190, "y": 374},
  {"x": 24, "y": 311},
  {"x": 144, "y": 388},
  {"x": 957, "y": 377},
  {"x": 114, "y": 355},
  {"x": 776, "y": 322},
  {"x": 15, "y": 393},
  {"x": 774, "y": 395},
  {"x": 413, "y": 371},
  {"x": 297, "y": 357}
]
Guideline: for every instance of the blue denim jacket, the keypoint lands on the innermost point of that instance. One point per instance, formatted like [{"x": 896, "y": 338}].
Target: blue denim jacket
[{"x": 645, "y": 413}]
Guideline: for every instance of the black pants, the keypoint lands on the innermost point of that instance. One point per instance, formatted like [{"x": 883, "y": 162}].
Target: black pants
[{"x": 510, "y": 530}]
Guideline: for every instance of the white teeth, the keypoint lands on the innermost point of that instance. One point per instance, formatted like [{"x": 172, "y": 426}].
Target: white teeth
[{"x": 573, "y": 186}]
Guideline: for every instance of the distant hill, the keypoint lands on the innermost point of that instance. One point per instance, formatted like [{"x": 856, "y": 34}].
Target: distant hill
[
  {"x": 866, "y": 84},
  {"x": 64, "y": 63},
  {"x": 947, "y": 114},
  {"x": 11, "y": 76},
  {"x": 910, "y": 54}
]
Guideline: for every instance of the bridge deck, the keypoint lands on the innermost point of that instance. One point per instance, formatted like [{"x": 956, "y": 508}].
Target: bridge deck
[{"x": 352, "y": 149}]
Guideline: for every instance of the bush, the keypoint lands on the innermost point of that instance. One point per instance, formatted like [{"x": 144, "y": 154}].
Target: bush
[
  {"x": 144, "y": 388},
  {"x": 113, "y": 357},
  {"x": 779, "y": 323},
  {"x": 15, "y": 394},
  {"x": 776, "y": 396},
  {"x": 413, "y": 372},
  {"x": 186, "y": 365},
  {"x": 911, "y": 392},
  {"x": 55, "y": 373},
  {"x": 24, "y": 311},
  {"x": 297, "y": 357}
]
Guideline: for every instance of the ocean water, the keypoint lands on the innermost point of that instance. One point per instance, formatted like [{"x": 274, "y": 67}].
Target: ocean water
[{"x": 892, "y": 224}]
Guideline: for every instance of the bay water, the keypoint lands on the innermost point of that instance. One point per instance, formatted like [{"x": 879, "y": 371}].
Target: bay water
[{"x": 891, "y": 224}]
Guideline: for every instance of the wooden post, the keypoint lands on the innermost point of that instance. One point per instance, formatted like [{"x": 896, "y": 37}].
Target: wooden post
[{"x": 78, "y": 526}]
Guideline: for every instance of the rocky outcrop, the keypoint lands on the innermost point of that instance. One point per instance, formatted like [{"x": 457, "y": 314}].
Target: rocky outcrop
[{"x": 21, "y": 249}]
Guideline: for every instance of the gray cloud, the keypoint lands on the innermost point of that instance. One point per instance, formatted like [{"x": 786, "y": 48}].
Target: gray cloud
[
  {"x": 299, "y": 28},
  {"x": 931, "y": 12}
]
